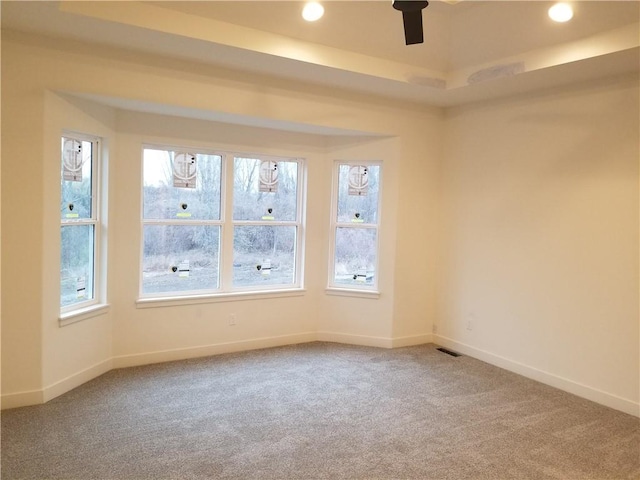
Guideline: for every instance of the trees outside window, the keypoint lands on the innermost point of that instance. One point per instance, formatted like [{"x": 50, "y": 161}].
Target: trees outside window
[
  {"x": 181, "y": 222},
  {"x": 355, "y": 224},
  {"x": 186, "y": 199},
  {"x": 79, "y": 222},
  {"x": 266, "y": 222}
]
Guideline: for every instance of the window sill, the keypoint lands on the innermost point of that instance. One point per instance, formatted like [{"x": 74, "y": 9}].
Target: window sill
[
  {"x": 347, "y": 292},
  {"x": 81, "y": 314},
  {"x": 157, "y": 302}
]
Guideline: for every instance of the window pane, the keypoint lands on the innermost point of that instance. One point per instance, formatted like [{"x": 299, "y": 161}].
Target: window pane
[
  {"x": 76, "y": 264},
  {"x": 358, "y": 193},
  {"x": 264, "y": 255},
  {"x": 180, "y": 258},
  {"x": 163, "y": 200},
  {"x": 355, "y": 256},
  {"x": 250, "y": 203},
  {"x": 76, "y": 185}
]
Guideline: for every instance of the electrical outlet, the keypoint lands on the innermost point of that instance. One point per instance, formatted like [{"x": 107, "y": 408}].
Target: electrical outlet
[
  {"x": 471, "y": 320},
  {"x": 232, "y": 319}
]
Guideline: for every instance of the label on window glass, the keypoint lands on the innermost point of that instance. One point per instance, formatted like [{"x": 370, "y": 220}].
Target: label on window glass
[
  {"x": 72, "y": 160},
  {"x": 266, "y": 267},
  {"x": 268, "y": 214},
  {"x": 184, "y": 170},
  {"x": 358, "y": 180},
  {"x": 268, "y": 176},
  {"x": 81, "y": 287},
  {"x": 183, "y": 269}
]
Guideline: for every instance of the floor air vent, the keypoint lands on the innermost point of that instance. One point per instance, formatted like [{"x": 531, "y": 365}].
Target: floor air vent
[{"x": 448, "y": 352}]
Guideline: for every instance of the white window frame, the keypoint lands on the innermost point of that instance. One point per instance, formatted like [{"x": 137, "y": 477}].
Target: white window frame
[
  {"x": 99, "y": 293},
  {"x": 298, "y": 223},
  {"x": 226, "y": 290},
  {"x": 333, "y": 288},
  {"x": 168, "y": 222}
]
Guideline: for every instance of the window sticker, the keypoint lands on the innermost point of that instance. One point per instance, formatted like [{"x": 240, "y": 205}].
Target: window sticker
[
  {"x": 182, "y": 213},
  {"x": 266, "y": 267},
  {"x": 268, "y": 177},
  {"x": 71, "y": 213},
  {"x": 361, "y": 276},
  {"x": 268, "y": 215},
  {"x": 184, "y": 170},
  {"x": 72, "y": 160},
  {"x": 81, "y": 287},
  {"x": 183, "y": 269},
  {"x": 358, "y": 180}
]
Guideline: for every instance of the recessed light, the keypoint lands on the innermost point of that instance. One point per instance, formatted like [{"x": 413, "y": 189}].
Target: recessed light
[
  {"x": 561, "y": 12},
  {"x": 312, "y": 11}
]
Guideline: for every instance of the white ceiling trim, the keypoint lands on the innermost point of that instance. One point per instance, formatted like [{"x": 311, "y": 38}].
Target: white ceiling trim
[{"x": 151, "y": 28}]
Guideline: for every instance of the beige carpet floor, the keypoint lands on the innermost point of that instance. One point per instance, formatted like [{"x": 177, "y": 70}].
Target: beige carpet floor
[{"x": 319, "y": 411}]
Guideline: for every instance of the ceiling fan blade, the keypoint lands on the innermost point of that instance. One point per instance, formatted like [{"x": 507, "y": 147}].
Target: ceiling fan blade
[
  {"x": 412, "y": 19},
  {"x": 413, "y": 32}
]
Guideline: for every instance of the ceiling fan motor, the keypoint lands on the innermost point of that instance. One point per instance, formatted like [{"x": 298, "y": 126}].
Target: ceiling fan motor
[{"x": 412, "y": 19}]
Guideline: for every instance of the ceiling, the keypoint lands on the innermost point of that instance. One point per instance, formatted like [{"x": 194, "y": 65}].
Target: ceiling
[{"x": 473, "y": 50}]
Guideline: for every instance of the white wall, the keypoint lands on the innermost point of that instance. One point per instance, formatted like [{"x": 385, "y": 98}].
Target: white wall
[
  {"x": 523, "y": 212},
  {"x": 142, "y": 333},
  {"x": 41, "y": 359},
  {"x": 357, "y": 320},
  {"x": 0, "y": 245},
  {"x": 22, "y": 232},
  {"x": 540, "y": 237},
  {"x": 78, "y": 352}
]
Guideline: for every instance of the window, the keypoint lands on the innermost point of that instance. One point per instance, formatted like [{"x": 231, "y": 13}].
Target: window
[
  {"x": 189, "y": 248},
  {"x": 355, "y": 223},
  {"x": 79, "y": 222},
  {"x": 181, "y": 222},
  {"x": 266, "y": 222}
]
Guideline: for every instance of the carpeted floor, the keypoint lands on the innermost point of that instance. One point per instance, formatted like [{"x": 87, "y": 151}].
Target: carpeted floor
[{"x": 319, "y": 411}]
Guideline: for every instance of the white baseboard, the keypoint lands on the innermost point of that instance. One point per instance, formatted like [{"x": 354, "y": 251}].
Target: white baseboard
[
  {"x": 21, "y": 399},
  {"x": 382, "y": 342},
  {"x": 208, "y": 350},
  {"x": 411, "y": 340},
  {"x": 37, "y": 397},
  {"x": 593, "y": 394},
  {"x": 254, "y": 344},
  {"x": 367, "y": 341},
  {"x": 75, "y": 380}
]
